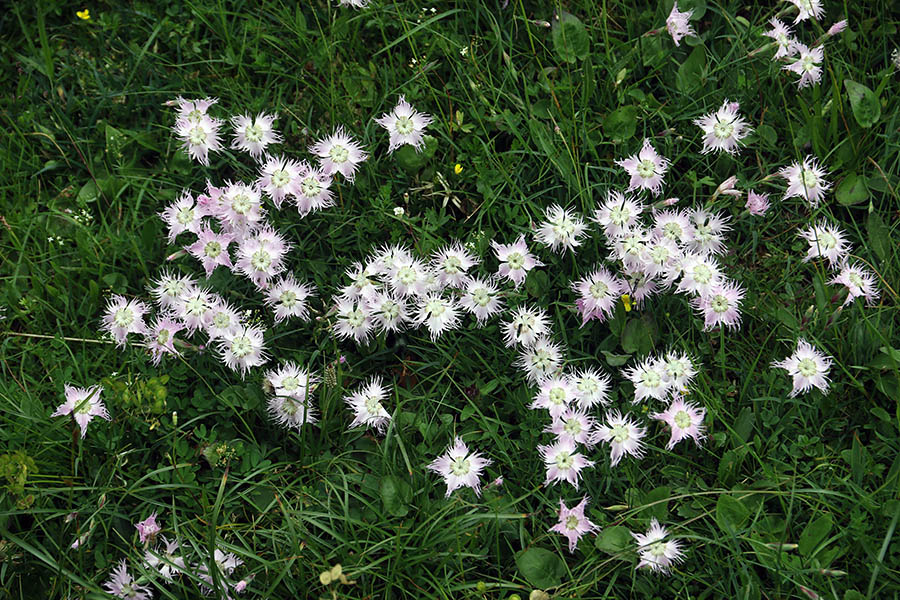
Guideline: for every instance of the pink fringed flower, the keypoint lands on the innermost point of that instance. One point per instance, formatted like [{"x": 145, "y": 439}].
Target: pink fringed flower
[
  {"x": 623, "y": 436},
  {"x": 124, "y": 316},
  {"x": 573, "y": 424},
  {"x": 618, "y": 213},
  {"x": 515, "y": 260},
  {"x": 169, "y": 288},
  {"x": 724, "y": 129},
  {"x": 646, "y": 169},
  {"x": 808, "y": 367},
  {"x": 678, "y": 24},
  {"x": 313, "y": 191},
  {"x": 573, "y": 524},
  {"x": 720, "y": 305},
  {"x": 339, "y": 153},
  {"x": 700, "y": 274},
  {"x": 783, "y": 37},
  {"x": 808, "y": 9},
  {"x": 367, "y": 407},
  {"x": 597, "y": 295},
  {"x": 211, "y": 249},
  {"x": 122, "y": 585},
  {"x": 562, "y": 230},
  {"x": 183, "y": 215},
  {"x": 200, "y": 137},
  {"x": 452, "y": 263},
  {"x": 148, "y": 529},
  {"x": 460, "y": 468},
  {"x": 859, "y": 281},
  {"x": 192, "y": 110},
  {"x": 406, "y": 125},
  {"x": 243, "y": 349},
  {"x": 161, "y": 337},
  {"x": 563, "y": 463},
  {"x": 757, "y": 204},
  {"x": 590, "y": 388},
  {"x": 481, "y": 298},
  {"x": 554, "y": 394},
  {"x": 289, "y": 298},
  {"x": 261, "y": 256},
  {"x": 239, "y": 207},
  {"x": 540, "y": 360},
  {"x": 655, "y": 554},
  {"x": 353, "y": 320},
  {"x": 279, "y": 178},
  {"x": 684, "y": 420},
  {"x": 826, "y": 241},
  {"x": 83, "y": 404},
  {"x": 806, "y": 180},
  {"x": 526, "y": 326},
  {"x": 438, "y": 314},
  {"x": 388, "y": 311},
  {"x": 649, "y": 380},
  {"x": 807, "y": 64},
  {"x": 254, "y": 135}
]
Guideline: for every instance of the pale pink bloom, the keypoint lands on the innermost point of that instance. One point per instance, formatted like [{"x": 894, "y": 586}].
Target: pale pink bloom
[
  {"x": 808, "y": 367},
  {"x": 618, "y": 213},
  {"x": 354, "y": 3},
  {"x": 193, "y": 309},
  {"x": 122, "y": 585},
  {"x": 662, "y": 260},
  {"x": 649, "y": 379},
  {"x": 709, "y": 231},
  {"x": 148, "y": 529},
  {"x": 723, "y": 129},
  {"x": 367, "y": 407},
  {"x": 200, "y": 137},
  {"x": 481, "y": 298},
  {"x": 646, "y": 169},
  {"x": 631, "y": 246},
  {"x": 291, "y": 412},
  {"x": 192, "y": 110},
  {"x": 353, "y": 320},
  {"x": 623, "y": 436},
  {"x": 387, "y": 258},
  {"x": 164, "y": 559},
  {"x": 720, "y": 305},
  {"x": 563, "y": 462},
  {"x": 211, "y": 249},
  {"x": 225, "y": 563},
  {"x": 438, "y": 314},
  {"x": 241, "y": 585},
  {"x": 836, "y": 28},
  {"x": 239, "y": 207},
  {"x": 452, "y": 263},
  {"x": 409, "y": 276},
  {"x": 597, "y": 295},
  {"x": 253, "y": 135},
  {"x": 554, "y": 394},
  {"x": 540, "y": 360},
  {"x": 339, "y": 153},
  {"x": 826, "y": 241},
  {"x": 562, "y": 229},
  {"x": 389, "y": 312},
  {"x": 289, "y": 298},
  {"x": 590, "y": 388},
  {"x": 459, "y": 467},
  {"x": 279, "y": 178},
  {"x": 674, "y": 225},
  {"x": 169, "y": 288},
  {"x": 757, "y": 204},
  {"x": 655, "y": 554},
  {"x": 699, "y": 274},
  {"x": 362, "y": 283},
  {"x": 727, "y": 188},
  {"x": 639, "y": 285},
  {"x": 406, "y": 125},
  {"x": 515, "y": 260},
  {"x": 807, "y": 64},
  {"x": 221, "y": 319},
  {"x": 670, "y": 201},
  {"x": 160, "y": 339},
  {"x": 783, "y": 37},
  {"x": 290, "y": 380},
  {"x": 526, "y": 326},
  {"x": 573, "y": 424},
  {"x": 679, "y": 370},
  {"x": 807, "y": 9},
  {"x": 243, "y": 349},
  {"x": 83, "y": 404},
  {"x": 183, "y": 215},
  {"x": 805, "y": 180},
  {"x": 260, "y": 257},
  {"x": 685, "y": 421},
  {"x": 573, "y": 524},
  {"x": 678, "y": 24},
  {"x": 123, "y": 316},
  {"x": 859, "y": 281},
  {"x": 313, "y": 191}
]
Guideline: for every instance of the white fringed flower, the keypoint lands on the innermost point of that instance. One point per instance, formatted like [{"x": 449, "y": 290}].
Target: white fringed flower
[
  {"x": 808, "y": 368},
  {"x": 623, "y": 436},
  {"x": 460, "y": 468},
  {"x": 254, "y": 134},
  {"x": 562, "y": 229},
  {"x": 339, "y": 153},
  {"x": 406, "y": 125},
  {"x": 243, "y": 349},
  {"x": 655, "y": 554},
  {"x": 724, "y": 129},
  {"x": 367, "y": 407},
  {"x": 289, "y": 298},
  {"x": 123, "y": 316}
]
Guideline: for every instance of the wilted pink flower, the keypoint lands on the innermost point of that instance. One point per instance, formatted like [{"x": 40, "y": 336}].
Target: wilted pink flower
[
  {"x": 757, "y": 204},
  {"x": 83, "y": 404},
  {"x": 678, "y": 25},
  {"x": 646, "y": 169},
  {"x": 859, "y": 281},
  {"x": 573, "y": 524},
  {"x": 807, "y": 64},
  {"x": 406, "y": 125},
  {"x": 836, "y": 28},
  {"x": 253, "y": 135},
  {"x": 808, "y": 367},
  {"x": 684, "y": 420},
  {"x": 459, "y": 467},
  {"x": 339, "y": 153},
  {"x": 148, "y": 529}
]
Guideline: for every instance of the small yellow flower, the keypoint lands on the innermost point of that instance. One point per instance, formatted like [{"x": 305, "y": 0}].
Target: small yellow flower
[
  {"x": 626, "y": 301},
  {"x": 457, "y": 169},
  {"x": 84, "y": 15}
]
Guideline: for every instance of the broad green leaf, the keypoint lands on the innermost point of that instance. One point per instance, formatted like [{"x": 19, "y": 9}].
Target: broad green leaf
[
  {"x": 615, "y": 360},
  {"x": 865, "y": 105},
  {"x": 615, "y": 539},
  {"x": 852, "y": 190},
  {"x": 395, "y": 495},
  {"x": 879, "y": 236},
  {"x": 731, "y": 514},
  {"x": 658, "y": 498},
  {"x": 411, "y": 160},
  {"x": 730, "y": 466},
  {"x": 638, "y": 335},
  {"x": 813, "y": 535},
  {"x": 621, "y": 123},
  {"x": 690, "y": 74},
  {"x": 89, "y": 192},
  {"x": 570, "y": 39},
  {"x": 542, "y": 568}
]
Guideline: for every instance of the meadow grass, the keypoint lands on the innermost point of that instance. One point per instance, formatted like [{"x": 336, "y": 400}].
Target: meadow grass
[{"x": 787, "y": 498}]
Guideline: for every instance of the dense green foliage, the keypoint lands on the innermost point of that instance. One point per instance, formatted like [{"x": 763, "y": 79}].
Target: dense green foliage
[{"x": 534, "y": 116}]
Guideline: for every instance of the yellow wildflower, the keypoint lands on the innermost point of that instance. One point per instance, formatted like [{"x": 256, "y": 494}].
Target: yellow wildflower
[
  {"x": 626, "y": 301},
  {"x": 457, "y": 169},
  {"x": 84, "y": 15}
]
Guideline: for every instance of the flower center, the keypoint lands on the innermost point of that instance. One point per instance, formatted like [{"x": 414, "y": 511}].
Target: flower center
[
  {"x": 572, "y": 427},
  {"x": 124, "y": 317},
  {"x": 855, "y": 279},
  {"x": 406, "y": 275},
  {"x": 452, "y": 265},
  {"x": 657, "y": 549},
  {"x": 310, "y": 187},
  {"x": 253, "y": 133},
  {"x": 435, "y": 308},
  {"x": 646, "y": 168},
  {"x": 173, "y": 288},
  {"x": 390, "y": 309},
  {"x": 672, "y": 231},
  {"x": 675, "y": 368},
  {"x": 808, "y": 179},
  {"x": 564, "y": 461},
  {"x": 288, "y": 298},
  {"x": 290, "y": 383},
  {"x": 241, "y": 204},
  {"x": 588, "y": 386},
  {"x": 572, "y": 522},
  {"x": 162, "y": 337},
  {"x": 83, "y": 407},
  {"x": 185, "y": 216},
  {"x": 339, "y": 154},
  {"x": 632, "y": 245},
  {"x": 481, "y": 297},
  {"x": 197, "y": 136},
  {"x": 404, "y": 125},
  {"x": 619, "y": 433},
  {"x": 682, "y": 419},
  {"x": 651, "y": 379},
  {"x": 356, "y": 318},
  {"x": 195, "y": 115},
  {"x": 290, "y": 407},
  {"x": 723, "y": 130},
  {"x": 515, "y": 260},
  {"x": 373, "y": 406},
  {"x": 541, "y": 360},
  {"x": 241, "y": 346},
  {"x": 280, "y": 178},
  {"x": 827, "y": 240},
  {"x": 459, "y": 466},
  {"x": 598, "y": 290},
  {"x": 221, "y": 320},
  {"x": 195, "y": 307},
  {"x": 619, "y": 215},
  {"x": 557, "y": 396},
  {"x": 808, "y": 63},
  {"x": 807, "y": 367},
  {"x": 719, "y": 303},
  {"x": 659, "y": 255},
  {"x": 702, "y": 274},
  {"x": 212, "y": 249},
  {"x": 261, "y": 260}
]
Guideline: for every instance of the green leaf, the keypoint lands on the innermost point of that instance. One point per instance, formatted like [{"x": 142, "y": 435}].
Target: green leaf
[
  {"x": 615, "y": 360},
  {"x": 690, "y": 74},
  {"x": 879, "y": 236},
  {"x": 570, "y": 39},
  {"x": 637, "y": 337},
  {"x": 537, "y": 283},
  {"x": 614, "y": 540},
  {"x": 813, "y": 535},
  {"x": 411, "y": 160},
  {"x": 865, "y": 105},
  {"x": 731, "y": 514},
  {"x": 852, "y": 190},
  {"x": 730, "y": 466},
  {"x": 659, "y": 498},
  {"x": 89, "y": 192},
  {"x": 768, "y": 134},
  {"x": 542, "y": 568},
  {"x": 621, "y": 123},
  {"x": 395, "y": 495}
]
